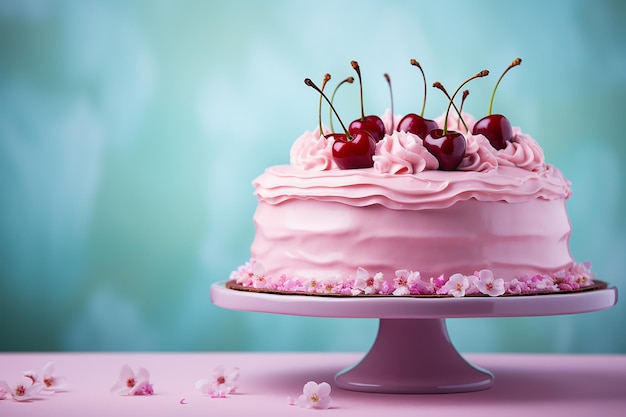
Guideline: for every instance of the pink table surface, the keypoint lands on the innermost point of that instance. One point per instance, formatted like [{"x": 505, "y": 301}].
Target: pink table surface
[{"x": 525, "y": 385}]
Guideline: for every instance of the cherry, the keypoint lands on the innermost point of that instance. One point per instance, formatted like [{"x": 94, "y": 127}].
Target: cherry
[
  {"x": 446, "y": 145},
  {"x": 355, "y": 150},
  {"x": 495, "y": 127},
  {"x": 372, "y": 123},
  {"x": 416, "y": 123},
  {"x": 350, "y": 149}
]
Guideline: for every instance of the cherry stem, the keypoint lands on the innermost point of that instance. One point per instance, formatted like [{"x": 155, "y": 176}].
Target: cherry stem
[
  {"x": 415, "y": 63},
  {"x": 356, "y": 67},
  {"x": 465, "y": 94},
  {"x": 349, "y": 80},
  {"x": 391, "y": 97},
  {"x": 319, "y": 110},
  {"x": 440, "y": 86},
  {"x": 311, "y": 84},
  {"x": 483, "y": 73},
  {"x": 515, "y": 63}
]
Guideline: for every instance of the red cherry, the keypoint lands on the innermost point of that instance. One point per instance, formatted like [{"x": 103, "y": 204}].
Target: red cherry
[
  {"x": 447, "y": 146},
  {"x": 355, "y": 150},
  {"x": 372, "y": 124},
  {"x": 350, "y": 150},
  {"x": 416, "y": 124},
  {"x": 496, "y": 128}
]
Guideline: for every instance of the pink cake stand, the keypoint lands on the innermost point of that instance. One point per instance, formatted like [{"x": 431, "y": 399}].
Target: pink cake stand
[{"x": 412, "y": 352}]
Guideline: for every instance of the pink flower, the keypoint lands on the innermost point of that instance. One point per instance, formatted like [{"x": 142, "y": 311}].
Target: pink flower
[
  {"x": 258, "y": 275},
  {"x": 401, "y": 282},
  {"x": 517, "y": 286},
  {"x": 456, "y": 286},
  {"x": 51, "y": 382},
  {"x": 487, "y": 284},
  {"x": 437, "y": 283},
  {"x": 417, "y": 286},
  {"x": 130, "y": 383},
  {"x": 366, "y": 283},
  {"x": 332, "y": 285},
  {"x": 221, "y": 384},
  {"x": 315, "y": 395},
  {"x": 24, "y": 390}
]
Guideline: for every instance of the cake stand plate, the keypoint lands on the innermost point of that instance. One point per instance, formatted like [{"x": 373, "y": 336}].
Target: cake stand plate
[{"x": 412, "y": 352}]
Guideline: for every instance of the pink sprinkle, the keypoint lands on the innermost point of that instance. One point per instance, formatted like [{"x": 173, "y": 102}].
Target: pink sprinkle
[{"x": 182, "y": 401}]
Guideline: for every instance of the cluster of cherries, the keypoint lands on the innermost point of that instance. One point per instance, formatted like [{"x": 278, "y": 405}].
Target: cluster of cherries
[{"x": 355, "y": 147}]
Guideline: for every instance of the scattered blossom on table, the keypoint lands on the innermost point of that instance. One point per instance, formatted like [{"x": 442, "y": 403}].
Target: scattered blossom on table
[
  {"x": 48, "y": 377},
  {"x": 221, "y": 384},
  {"x": 315, "y": 395},
  {"x": 24, "y": 389},
  {"x": 130, "y": 383}
]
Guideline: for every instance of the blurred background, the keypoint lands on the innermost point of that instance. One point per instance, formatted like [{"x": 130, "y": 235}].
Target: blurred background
[{"x": 130, "y": 133}]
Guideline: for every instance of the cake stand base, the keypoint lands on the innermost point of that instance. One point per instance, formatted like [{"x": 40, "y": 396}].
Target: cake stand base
[
  {"x": 413, "y": 356},
  {"x": 412, "y": 352}
]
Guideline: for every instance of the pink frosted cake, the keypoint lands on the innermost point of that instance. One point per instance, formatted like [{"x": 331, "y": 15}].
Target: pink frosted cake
[{"x": 494, "y": 225}]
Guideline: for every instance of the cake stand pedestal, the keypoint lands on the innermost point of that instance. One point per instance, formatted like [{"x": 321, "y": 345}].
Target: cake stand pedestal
[{"x": 412, "y": 352}]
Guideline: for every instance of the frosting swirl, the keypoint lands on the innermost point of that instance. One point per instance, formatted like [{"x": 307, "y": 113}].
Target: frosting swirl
[
  {"x": 313, "y": 152},
  {"x": 479, "y": 154},
  {"x": 523, "y": 151},
  {"x": 402, "y": 153}
]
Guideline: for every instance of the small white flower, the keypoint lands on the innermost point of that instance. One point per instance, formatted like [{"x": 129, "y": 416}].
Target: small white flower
[
  {"x": 366, "y": 283},
  {"x": 315, "y": 395},
  {"x": 130, "y": 383},
  {"x": 258, "y": 276},
  {"x": 401, "y": 282},
  {"x": 51, "y": 381},
  {"x": 25, "y": 389},
  {"x": 222, "y": 383},
  {"x": 488, "y": 284},
  {"x": 456, "y": 286}
]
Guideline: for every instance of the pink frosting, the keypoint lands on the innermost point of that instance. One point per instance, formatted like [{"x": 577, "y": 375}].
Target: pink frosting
[
  {"x": 480, "y": 156},
  {"x": 403, "y": 153},
  {"x": 523, "y": 151},
  {"x": 313, "y": 152},
  {"x": 430, "y": 189}
]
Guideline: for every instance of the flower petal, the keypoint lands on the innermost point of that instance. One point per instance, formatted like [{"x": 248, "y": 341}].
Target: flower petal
[
  {"x": 143, "y": 374},
  {"x": 323, "y": 403},
  {"x": 309, "y": 389},
  {"x": 232, "y": 375},
  {"x": 48, "y": 369},
  {"x": 218, "y": 371},
  {"x": 126, "y": 373},
  {"x": 323, "y": 389}
]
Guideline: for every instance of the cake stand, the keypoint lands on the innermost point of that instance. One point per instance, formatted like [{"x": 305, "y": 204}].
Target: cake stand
[{"x": 412, "y": 352}]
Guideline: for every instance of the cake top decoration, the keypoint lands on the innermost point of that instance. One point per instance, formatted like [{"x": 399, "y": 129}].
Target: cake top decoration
[{"x": 454, "y": 141}]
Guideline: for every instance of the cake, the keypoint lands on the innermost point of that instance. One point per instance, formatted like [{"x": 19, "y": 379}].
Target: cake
[{"x": 495, "y": 224}]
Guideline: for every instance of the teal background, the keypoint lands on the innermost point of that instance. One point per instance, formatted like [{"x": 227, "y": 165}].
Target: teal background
[{"x": 130, "y": 132}]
